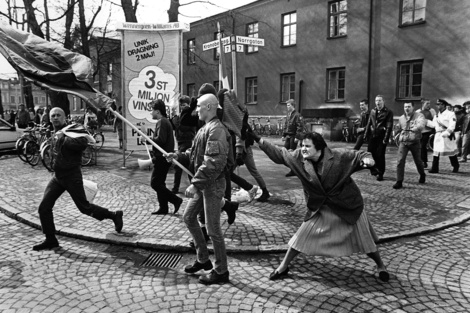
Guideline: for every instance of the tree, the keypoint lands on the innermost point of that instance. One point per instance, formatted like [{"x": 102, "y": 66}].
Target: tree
[{"x": 130, "y": 10}]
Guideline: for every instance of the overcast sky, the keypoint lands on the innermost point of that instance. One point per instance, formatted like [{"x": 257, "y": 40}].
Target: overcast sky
[{"x": 149, "y": 11}]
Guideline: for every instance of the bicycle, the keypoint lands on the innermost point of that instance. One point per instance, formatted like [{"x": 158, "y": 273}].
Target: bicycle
[
  {"x": 430, "y": 145},
  {"x": 32, "y": 148},
  {"x": 345, "y": 132},
  {"x": 88, "y": 153},
  {"x": 257, "y": 127},
  {"x": 98, "y": 136},
  {"x": 395, "y": 137},
  {"x": 268, "y": 128},
  {"x": 280, "y": 126}
]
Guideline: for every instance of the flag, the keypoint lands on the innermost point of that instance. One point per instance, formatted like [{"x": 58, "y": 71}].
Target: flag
[
  {"x": 233, "y": 113},
  {"x": 223, "y": 71},
  {"x": 50, "y": 65}
]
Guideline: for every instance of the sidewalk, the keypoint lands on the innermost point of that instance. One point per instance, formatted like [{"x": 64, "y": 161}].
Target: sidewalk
[{"x": 260, "y": 227}]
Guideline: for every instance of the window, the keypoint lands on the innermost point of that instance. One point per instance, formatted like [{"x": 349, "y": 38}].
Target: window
[
  {"x": 251, "y": 90},
  {"x": 36, "y": 100},
  {"x": 74, "y": 103},
  {"x": 12, "y": 99},
  {"x": 252, "y": 31},
  {"x": 191, "y": 51},
  {"x": 287, "y": 87},
  {"x": 335, "y": 87},
  {"x": 109, "y": 76},
  {"x": 216, "y": 85},
  {"x": 191, "y": 90},
  {"x": 216, "y": 50},
  {"x": 338, "y": 18},
  {"x": 412, "y": 12},
  {"x": 289, "y": 29},
  {"x": 43, "y": 99},
  {"x": 410, "y": 76}
]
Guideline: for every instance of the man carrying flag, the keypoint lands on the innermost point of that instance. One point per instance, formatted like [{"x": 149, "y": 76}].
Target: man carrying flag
[{"x": 67, "y": 147}]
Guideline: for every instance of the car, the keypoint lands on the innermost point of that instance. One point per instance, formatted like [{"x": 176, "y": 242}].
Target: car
[{"x": 8, "y": 135}]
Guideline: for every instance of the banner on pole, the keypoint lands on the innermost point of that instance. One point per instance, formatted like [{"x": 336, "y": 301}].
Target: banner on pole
[{"x": 150, "y": 71}]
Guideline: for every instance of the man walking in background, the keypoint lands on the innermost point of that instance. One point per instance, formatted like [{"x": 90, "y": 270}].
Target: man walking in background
[
  {"x": 362, "y": 123},
  {"x": 427, "y": 131},
  {"x": 292, "y": 129},
  {"x": 411, "y": 123},
  {"x": 378, "y": 131}
]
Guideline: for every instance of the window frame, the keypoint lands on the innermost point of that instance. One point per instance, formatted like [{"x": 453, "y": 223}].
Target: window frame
[
  {"x": 252, "y": 35},
  {"x": 330, "y": 15},
  {"x": 283, "y": 28},
  {"x": 337, "y": 99},
  {"x": 290, "y": 92},
  {"x": 410, "y": 85},
  {"x": 255, "y": 90},
  {"x": 191, "y": 51},
  {"x": 413, "y": 23},
  {"x": 188, "y": 91}
]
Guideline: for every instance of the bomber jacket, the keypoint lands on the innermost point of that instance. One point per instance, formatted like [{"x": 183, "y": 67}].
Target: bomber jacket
[
  {"x": 293, "y": 125},
  {"x": 411, "y": 127},
  {"x": 209, "y": 153}
]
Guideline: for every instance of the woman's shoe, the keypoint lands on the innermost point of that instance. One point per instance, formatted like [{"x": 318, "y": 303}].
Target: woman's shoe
[
  {"x": 276, "y": 275},
  {"x": 383, "y": 275}
]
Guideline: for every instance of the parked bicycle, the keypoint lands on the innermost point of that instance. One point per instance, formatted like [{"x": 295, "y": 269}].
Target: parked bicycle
[
  {"x": 97, "y": 134},
  {"x": 345, "y": 132},
  {"x": 268, "y": 128},
  {"x": 257, "y": 127},
  {"x": 280, "y": 126}
]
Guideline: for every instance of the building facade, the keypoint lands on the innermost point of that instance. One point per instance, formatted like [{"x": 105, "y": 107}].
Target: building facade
[{"x": 329, "y": 55}]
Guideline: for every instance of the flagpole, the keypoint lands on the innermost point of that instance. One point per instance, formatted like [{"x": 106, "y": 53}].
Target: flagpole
[{"x": 150, "y": 140}]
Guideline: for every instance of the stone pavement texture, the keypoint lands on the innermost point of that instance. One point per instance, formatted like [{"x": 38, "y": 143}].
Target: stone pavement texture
[
  {"x": 429, "y": 273},
  {"x": 260, "y": 227}
]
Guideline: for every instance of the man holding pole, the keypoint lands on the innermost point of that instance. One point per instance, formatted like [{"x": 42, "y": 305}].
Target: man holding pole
[{"x": 208, "y": 161}]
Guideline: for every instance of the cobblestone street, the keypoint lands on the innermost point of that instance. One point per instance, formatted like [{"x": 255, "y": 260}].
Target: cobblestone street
[{"x": 423, "y": 230}]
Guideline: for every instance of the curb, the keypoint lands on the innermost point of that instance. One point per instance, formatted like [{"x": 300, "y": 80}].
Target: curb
[{"x": 168, "y": 245}]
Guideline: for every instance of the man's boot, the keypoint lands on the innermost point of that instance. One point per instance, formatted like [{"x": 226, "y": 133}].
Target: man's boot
[
  {"x": 455, "y": 163},
  {"x": 398, "y": 184},
  {"x": 230, "y": 208},
  {"x": 264, "y": 196},
  {"x": 435, "y": 165},
  {"x": 50, "y": 243}
]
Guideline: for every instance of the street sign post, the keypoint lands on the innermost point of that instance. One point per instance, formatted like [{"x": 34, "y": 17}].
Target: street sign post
[{"x": 233, "y": 44}]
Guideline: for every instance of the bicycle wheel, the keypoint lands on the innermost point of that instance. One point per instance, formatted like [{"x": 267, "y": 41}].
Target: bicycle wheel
[
  {"x": 99, "y": 138},
  {"x": 430, "y": 144},
  {"x": 20, "y": 144},
  {"x": 87, "y": 155},
  {"x": 31, "y": 150},
  {"x": 47, "y": 157}
]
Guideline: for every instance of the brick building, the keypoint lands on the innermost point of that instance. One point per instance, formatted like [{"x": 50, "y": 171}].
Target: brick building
[{"x": 328, "y": 55}]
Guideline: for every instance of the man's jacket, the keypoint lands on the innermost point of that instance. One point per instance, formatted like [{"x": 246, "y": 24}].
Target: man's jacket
[
  {"x": 293, "y": 125},
  {"x": 411, "y": 127},
  {"x": 380, "y": 124}
]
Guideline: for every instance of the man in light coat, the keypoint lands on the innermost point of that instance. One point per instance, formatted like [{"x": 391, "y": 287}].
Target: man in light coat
[
  {"x": 444, "y": 139},
  {"x": 410, "y": 126}
]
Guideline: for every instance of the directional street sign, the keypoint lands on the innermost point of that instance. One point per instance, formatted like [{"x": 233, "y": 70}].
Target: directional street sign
[
  {"x": 252, "y": 41},
  {"x": 215, "y": 44},
  {"x": 240, "y": 40}
]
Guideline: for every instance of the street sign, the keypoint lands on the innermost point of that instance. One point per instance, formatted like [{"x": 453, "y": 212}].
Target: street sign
[
  {"x": 215, "y": 44},
  {"x": 228, "y": 48},
  {"x": 252, "y": 41}
]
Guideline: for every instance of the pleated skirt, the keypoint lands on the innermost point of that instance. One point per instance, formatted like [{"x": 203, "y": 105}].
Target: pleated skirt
[{"x": 326, "y": 234}]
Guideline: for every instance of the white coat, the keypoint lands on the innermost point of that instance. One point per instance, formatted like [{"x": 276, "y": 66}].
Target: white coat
[{"x": 444, "y": 124}]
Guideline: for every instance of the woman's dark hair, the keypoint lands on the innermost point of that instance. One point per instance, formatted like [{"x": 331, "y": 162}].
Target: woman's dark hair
[
  {"x": 159, "y": 105},
  {"x": 317, "y": 140}
]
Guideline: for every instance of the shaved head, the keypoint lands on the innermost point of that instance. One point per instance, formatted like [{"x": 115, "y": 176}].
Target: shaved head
[
  {"x": 57, "y": 116},
  {"x": 207, "y": 107}
]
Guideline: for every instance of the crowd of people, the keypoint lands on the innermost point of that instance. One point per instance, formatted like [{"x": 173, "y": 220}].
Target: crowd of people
[
  {"x": 336, "y": 222},
  {"x": 23, "y": 118}
]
